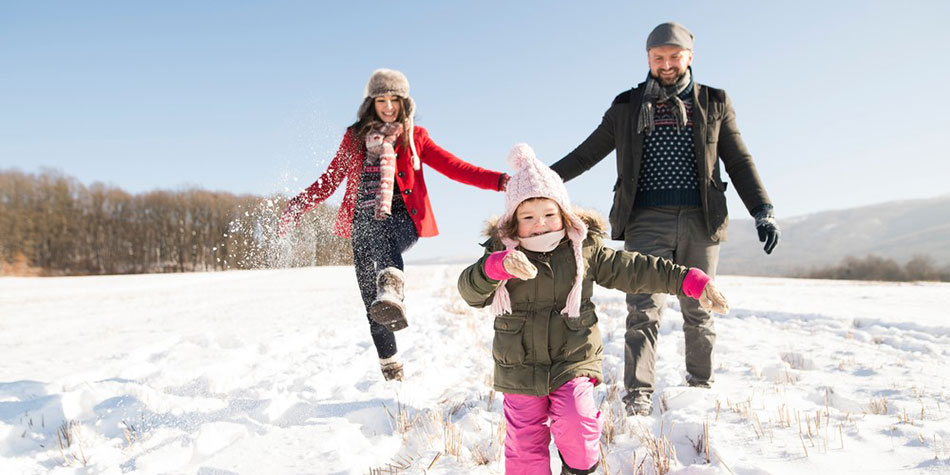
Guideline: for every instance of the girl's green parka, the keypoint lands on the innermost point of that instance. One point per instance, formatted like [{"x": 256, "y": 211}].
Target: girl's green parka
[{"x": 537, "y": 349}]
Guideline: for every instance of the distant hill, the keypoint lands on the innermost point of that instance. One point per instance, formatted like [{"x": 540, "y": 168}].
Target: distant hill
[{"x": 897, "y": 230}]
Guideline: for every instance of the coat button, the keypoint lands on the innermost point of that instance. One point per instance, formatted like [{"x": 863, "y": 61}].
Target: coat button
[
  {"x": 407, "y": 191},
  {"x": 414, "y": 212},
  {"x": 504, "y": 324},
  {"x": 401, "y": 174}
]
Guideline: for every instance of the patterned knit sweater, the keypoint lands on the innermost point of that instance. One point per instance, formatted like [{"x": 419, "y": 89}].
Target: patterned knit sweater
[{"x": 668, "y": 175}]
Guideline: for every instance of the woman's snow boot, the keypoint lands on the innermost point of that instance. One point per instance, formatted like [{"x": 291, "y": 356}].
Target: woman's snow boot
[
  {"x": 388, "y": 309},
  {"x": 391, "y": 367}
]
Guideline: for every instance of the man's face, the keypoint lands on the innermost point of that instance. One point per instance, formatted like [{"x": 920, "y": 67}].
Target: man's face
[{"x": 668, "y": 63}]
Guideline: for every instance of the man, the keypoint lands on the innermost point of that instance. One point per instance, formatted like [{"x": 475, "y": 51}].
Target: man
[{"x": 669, "y": 198}]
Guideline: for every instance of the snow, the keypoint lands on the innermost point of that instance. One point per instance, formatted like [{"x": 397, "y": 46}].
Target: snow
[{"x": 273, "y": 371}]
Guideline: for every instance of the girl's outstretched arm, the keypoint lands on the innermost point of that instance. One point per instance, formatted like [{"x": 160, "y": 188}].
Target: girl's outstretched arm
[
  {"x": 637, "y": 273},
  {"x": 633, "y": 272}
]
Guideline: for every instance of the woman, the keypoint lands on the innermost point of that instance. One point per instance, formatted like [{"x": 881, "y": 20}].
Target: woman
[{"x": 386, "y": 207}]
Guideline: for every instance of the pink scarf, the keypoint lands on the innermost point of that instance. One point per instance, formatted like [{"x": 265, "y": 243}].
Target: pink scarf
[{"x": 380, "y": 142}]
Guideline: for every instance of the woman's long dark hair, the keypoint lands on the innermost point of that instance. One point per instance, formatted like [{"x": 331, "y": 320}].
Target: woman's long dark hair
[{"x": 369, "y": 119}]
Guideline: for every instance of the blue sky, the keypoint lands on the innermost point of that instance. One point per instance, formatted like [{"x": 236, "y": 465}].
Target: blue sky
[{"x": 841, "y": 103}]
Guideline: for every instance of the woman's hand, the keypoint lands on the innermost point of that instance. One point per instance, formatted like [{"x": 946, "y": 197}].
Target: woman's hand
[
  {"x": 290, "y": 218},
  {"x": 503, "y": 182}
]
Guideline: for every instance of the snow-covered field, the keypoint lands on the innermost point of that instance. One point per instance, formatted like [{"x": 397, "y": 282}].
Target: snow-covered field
[{"x": 273, "y": 371}]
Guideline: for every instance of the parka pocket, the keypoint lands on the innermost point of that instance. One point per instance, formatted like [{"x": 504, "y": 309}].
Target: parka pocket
[
  {"x": 582, "y": 338},
  {"x": 508, "y": 345},
  {"x": 583, "y": 322}
]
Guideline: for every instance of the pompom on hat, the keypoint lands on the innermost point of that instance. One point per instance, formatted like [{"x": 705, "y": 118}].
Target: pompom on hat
[
  {"x": 533, "y": 179},
  {"x": 389, "y": 82}
]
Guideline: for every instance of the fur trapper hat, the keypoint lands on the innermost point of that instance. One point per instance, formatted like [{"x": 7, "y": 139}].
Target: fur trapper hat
[
  {"x": 386, "y": 82},
  {"x": 533, "y": 179}
]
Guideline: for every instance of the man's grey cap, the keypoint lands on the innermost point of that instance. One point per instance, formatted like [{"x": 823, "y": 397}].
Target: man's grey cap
[{"x": 670, "y": 33}]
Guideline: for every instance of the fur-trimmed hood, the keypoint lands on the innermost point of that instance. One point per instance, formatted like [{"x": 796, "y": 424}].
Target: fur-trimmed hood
[{"x": 596, "y": 224}]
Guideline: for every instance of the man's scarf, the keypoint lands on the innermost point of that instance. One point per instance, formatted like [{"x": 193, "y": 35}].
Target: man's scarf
[{"x": 657, "y": 93}]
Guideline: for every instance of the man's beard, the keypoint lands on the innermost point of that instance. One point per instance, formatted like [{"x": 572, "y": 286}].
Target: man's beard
[{"x": 671, "y": 81}]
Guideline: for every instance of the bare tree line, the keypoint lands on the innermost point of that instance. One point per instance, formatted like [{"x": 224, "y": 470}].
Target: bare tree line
[
  {"x": 920, "y": 268},
  {"x": 51, "y": 224}
]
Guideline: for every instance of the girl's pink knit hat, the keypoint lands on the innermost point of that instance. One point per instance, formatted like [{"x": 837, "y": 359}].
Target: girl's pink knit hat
[{"x": 533, "y": 179}]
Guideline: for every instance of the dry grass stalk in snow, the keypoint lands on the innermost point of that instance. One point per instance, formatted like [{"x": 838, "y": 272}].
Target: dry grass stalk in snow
[
  {"x": 878, "y": 406},
  {"x": 795, "y": 360},
  {"x": 391, "y": 468},
  {"x": 906, "y": 418},
  {"x": 451, "y": 435},
  {"x": 68, "y": 435},
  {"x": 490, "y": 400},
  {"x": 661, "y": 452},
  {"x": 757, "y": 426},
  {"x": 399, "y": 419},
  {"x": 481, "y": 453},
  {"x": 492, "y": 450},
  {"x": 130, "y": 433},
  {"x": 784, "y": 417},
  {"x": 434, "y": 460},
  {"x": 500, "y": 430},
  {"x": 701, "y": 444},
  {"x": 400, "y": 463},
  {"x": 614, "y": 421}
]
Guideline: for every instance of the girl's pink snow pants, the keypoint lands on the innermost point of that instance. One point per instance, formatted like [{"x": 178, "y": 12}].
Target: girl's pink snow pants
[{"x": 574, "y": 421}]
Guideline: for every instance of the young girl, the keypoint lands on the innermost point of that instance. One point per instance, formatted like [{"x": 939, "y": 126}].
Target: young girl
[
  {"x": 537, "y": 274},
  {"x": 386, "y": 208}
]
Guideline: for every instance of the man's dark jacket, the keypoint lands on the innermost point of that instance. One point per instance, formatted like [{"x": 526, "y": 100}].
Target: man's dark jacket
[{"x": 715, "y": 136}]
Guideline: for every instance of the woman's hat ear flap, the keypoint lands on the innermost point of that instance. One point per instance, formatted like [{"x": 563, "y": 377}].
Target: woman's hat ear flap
[
  {"x": 410, "y": 107},
  {"x": 364, "y": 108}
]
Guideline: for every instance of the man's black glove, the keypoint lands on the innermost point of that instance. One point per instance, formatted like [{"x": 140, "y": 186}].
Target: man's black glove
[{"x": 767, "y": 226}]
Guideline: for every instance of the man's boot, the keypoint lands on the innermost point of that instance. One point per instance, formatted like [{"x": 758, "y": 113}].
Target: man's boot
[
  {"x": 694, "y": 382},
  {"x": 388, "y": 309},
  {"x": 638, "y": 403}
]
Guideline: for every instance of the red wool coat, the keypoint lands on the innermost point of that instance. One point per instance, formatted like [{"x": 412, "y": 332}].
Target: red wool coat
[{"x": 348, "y": 164}]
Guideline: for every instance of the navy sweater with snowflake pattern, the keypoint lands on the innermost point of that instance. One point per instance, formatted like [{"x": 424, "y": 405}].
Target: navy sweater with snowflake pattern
[{"x": 668, "y": 175}]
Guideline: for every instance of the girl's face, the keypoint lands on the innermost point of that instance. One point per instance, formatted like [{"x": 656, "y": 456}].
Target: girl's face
[
  {"x": 538, "y": 216},
  {"x": 387, "y": 108}
]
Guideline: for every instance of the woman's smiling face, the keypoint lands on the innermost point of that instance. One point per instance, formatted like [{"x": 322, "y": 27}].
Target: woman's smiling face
[{"x": 387, "y": 108}]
